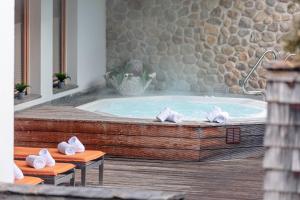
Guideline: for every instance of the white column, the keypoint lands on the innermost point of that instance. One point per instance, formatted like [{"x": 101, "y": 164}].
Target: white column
[
  {"x": 6, "y": 91},
  {"x": 46, "y": 48}
]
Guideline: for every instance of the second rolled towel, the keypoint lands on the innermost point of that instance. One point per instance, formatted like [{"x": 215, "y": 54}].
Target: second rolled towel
[
  {"x": 50, "y": 162},
  {"x": 174, "y": 117},
  {"x": 169, "y": 115},
  {"x": 163, "y": 115},
  {"x": 217, "y": 115},
  {"x": 78, "y": 146},
  {"x": 37, "y": 162},
  {"x": 66, "y": 148}
]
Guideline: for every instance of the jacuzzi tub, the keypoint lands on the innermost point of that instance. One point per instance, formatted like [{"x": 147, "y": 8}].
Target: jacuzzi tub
[
  {"x": 126, "y": 127},
  {"x": 194, "y": 108}
]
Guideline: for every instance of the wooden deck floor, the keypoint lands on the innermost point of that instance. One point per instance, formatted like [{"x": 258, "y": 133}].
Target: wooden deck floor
[{"x": 226, "y": 180}]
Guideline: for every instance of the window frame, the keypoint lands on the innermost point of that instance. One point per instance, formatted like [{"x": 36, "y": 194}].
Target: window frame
[
  {"x": 63, "y": 66},
  {"x": 26, "y": 42}
]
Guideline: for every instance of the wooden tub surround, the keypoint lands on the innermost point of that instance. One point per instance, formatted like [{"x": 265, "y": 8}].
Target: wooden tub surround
[{"x": 46, "y": 126}]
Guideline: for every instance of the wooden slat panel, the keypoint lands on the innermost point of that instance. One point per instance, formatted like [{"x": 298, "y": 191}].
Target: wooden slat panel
[
  {"x": 112, "y": 140},
  {"x": 53, "y": 137},
  {"x": 133, "y": 138},
  {"x": 58, "y": 126},
  {"x": 152, "y": 153},
  {"x": 220, "y": 143},
  {"x": 151, "y": 130},
  {"x": 289, "y": 92},
  {"x": 227, "y": 154},
  {"x": 277, "y": 158},
  {"x": 280, "y": 195},
  {"x": 212, "y": 132},
  {"x": 220, "y": 132},
  {"x": 283, "y": 114},
  {"x": 288, "y": 181},
  {"x": 282, "y": 157},
  {"x": 130, "y": 152},
  {"x": 47, "y": 145},
  {"x": 282, "y": 136},
  {"x": 105, "y": 128}
]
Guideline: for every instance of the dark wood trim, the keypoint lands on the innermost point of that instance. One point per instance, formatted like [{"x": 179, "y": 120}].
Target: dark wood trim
[
  {"x": 63, "y": 67},
  {"x": 26, "y": 43}
]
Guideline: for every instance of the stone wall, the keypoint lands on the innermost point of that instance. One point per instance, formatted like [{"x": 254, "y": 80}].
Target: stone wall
[{"x": 197, "y": 45}]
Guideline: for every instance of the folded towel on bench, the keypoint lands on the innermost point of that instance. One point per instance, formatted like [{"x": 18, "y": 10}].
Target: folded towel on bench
[
  {"x": 37, "y": 162},
  {"x": 47, "y": 171},
  {"x": 86, "y": 156},
  {"x": 66, "y": 148},
  {"x": 78, "y": 146},
  {"x": 50, "y": 162}
]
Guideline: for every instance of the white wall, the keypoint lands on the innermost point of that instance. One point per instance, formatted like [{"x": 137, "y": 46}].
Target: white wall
[
  {"x": 6, "y": 91},
  {"x": 91, "y": 42},
  {"x": 86, "y": 49}
]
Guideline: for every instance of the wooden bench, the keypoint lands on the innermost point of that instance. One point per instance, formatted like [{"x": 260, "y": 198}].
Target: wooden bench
[
  {"x": 83, "y": 161},
  {"x": 60, "y": 173},
  {"x": 29, "y": 180}
]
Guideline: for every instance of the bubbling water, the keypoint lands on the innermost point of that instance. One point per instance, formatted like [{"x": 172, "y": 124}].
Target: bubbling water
[{"x": 192, "y": 107}]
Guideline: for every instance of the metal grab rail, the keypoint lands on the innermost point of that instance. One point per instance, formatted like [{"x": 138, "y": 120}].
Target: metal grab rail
[{"x": 255, "y": 92}]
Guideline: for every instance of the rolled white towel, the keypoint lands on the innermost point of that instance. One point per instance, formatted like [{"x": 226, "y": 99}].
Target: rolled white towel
[
  {"x": 66, "y": 148},
  {"x": 18, "y": 174},
  {"x": 75, "y": 142},
  {"x": 222, "y": 118},
  {"x": 37, "y": 162},
  {"x": 213, "y": 113},
  {"x": 163, "y": 115},
  {"x": 175, "y": 117},
  {"x": 50, "y": 162},
  {"x": 217, "y": 115}
]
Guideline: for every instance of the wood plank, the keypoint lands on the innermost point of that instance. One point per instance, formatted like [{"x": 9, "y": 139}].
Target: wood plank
[
  {"x": 227, "y": 154},
  {"x": 212, "y": 132},
  {"x": 220, "y": 143},
  {"x": 49, "y": 125},
  {"x": 282, "y": 136},
  {"x": 289, "y": 92},
  {"x": 283, "y": 114},
  {"x": 151, "y": 153},
  {"x": 220, "y": 180},
  {"x": 47, "y": 145},
  {"x": 105, "y": 128},
  {"x": 110, "y": 140}
]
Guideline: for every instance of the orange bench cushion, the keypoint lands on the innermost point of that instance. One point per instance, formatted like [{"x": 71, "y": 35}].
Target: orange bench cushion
[
  {"x": 47, "y": 171},
  {"x": 29, "y": 180},
  {"x": 88, "y": 155}
]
